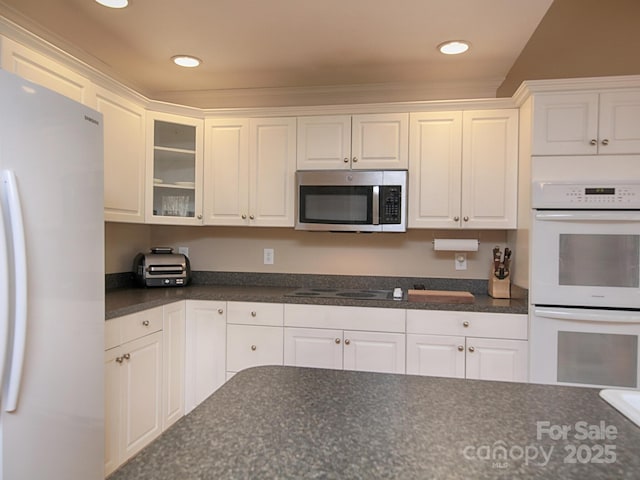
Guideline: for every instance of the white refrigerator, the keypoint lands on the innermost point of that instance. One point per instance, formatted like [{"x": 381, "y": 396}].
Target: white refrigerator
[{"x": 51, "y": 285}]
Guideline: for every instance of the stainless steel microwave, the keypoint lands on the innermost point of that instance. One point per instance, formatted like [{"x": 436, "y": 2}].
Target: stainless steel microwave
[{"x": 351, "y": 200}]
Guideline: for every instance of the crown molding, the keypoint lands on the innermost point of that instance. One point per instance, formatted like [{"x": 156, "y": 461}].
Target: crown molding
[{"x": 582, "y": 84}]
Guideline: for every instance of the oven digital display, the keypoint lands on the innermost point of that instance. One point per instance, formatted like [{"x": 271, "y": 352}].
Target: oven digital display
[{"x": 600, "y": 191}]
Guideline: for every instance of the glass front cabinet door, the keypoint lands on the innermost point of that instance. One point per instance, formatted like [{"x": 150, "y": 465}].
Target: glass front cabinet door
[{"x": 174, "y": 170}]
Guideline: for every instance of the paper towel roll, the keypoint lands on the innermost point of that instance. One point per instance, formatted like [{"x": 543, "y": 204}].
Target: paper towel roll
[{"x": 455, "y": 244}]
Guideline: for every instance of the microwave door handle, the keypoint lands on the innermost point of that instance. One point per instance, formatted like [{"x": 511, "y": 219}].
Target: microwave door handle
[
  {"x": 588, "y": 315},
  {"x": 375, "y": 211}
]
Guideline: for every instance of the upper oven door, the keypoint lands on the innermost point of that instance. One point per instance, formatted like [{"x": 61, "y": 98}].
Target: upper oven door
[{"x": 586, "y": 258}]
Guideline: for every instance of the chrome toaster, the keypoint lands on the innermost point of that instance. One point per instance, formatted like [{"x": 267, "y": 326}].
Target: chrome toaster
[{"x": 161, "y": 268}]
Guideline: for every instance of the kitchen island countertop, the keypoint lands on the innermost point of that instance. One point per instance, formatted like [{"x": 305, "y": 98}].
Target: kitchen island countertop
[
  {"x": 288, "y": 422},
  {"x": 119, "y": 302}
]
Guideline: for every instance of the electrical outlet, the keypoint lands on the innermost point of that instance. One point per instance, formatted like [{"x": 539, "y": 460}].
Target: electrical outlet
[
  {"x": 461, "y": 261},
  {"x": 268, "y": 256},
  {"x": 184, "y": 251}
]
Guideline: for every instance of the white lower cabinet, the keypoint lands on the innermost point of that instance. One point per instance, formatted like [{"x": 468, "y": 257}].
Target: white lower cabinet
[
  {"x": 173, "y": 391},
  {"x": 349, "y": 350},
  {"x": 307, "y": 344},
  {"x": 206, "y": 350},
  {"x": 483, "y": 346},
  {"x": 254, "y": 335},
  {"x": 133, "y": 385}
]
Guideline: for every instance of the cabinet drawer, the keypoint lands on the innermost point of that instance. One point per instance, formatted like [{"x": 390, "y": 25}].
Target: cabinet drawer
[
  {"x": 250, "y": 346},
  {"x": 470, "y": 324},
  {"x": 347, "y": 318},
  {"x": 255, "y": 313},
  {"x": 140, "y": 324}
]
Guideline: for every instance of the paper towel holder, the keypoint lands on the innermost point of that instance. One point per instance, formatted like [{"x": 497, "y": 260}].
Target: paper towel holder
[{"x": 456, "y": 244}]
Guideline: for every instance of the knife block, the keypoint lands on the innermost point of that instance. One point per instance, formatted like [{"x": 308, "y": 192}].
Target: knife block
[{"x": 499, "y": 288}]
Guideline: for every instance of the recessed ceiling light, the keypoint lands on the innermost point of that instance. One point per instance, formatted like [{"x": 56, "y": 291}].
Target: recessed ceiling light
[
  {"x": 454, "y": 47},
  {"x": 186, "y": 61},
  {"x": 114, "y": 3}
]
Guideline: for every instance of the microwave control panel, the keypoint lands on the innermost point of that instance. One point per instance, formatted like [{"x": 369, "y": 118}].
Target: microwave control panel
[
  {"x": 391, "y": 204},
  {"x": 591, "y": 196}
]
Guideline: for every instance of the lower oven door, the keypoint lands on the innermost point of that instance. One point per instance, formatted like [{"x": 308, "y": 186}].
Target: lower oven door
[
  {"x": 586, "y": 258},
  {"x": 584, "y": 347}
]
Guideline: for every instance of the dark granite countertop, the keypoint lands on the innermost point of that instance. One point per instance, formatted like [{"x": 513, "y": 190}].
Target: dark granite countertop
[
  {"x": 124, "y": 301},
  {"x": 298, "y": 423}
]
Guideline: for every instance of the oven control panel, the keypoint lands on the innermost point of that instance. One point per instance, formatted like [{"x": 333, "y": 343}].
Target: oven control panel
[{"x": 587, "y": 196}]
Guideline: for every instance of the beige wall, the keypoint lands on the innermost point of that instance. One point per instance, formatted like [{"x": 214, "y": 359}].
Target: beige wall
[
  {"x": 580, "y": 38},
  {"x": 240, "y": 249}
]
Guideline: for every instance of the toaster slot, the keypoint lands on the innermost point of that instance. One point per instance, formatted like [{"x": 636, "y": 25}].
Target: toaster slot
[{"x": 165, "y": 269}]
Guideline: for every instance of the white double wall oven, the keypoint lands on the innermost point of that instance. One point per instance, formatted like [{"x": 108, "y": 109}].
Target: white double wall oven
[{"x": 585, "y": 272}]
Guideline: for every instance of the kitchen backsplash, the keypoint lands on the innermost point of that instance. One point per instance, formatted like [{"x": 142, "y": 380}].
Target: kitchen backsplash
[{"x": 241, "y": 249}]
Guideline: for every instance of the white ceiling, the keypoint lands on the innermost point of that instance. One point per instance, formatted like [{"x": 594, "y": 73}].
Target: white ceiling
[{"x": 261, "y": 44}]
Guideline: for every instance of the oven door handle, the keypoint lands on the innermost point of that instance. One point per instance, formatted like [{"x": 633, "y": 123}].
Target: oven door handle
[
  {"x": 609, "y": 316},
  {"x": 590, "y": 215}
]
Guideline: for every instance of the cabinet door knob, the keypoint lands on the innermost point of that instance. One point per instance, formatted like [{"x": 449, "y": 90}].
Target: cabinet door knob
[
  {"x": 466, "y": 219},
  {"x": 119, "y": 359},
  {"x": 220, "y": 311},
  {"x": 456, "y": 219},
  {"x": 355, "y": 159},
  {"x": 253, "y": 348},
  {"x": 253, "y": 314},
  {"x": 593, "y": 141},
  {"x": 460, "y": 348},
  {"x": 251, "y": 217},
  {"x": 244, "y": 217},
  {"x": 465, "y": 324},
  {"x": 127, "y": 356},
  {"x": 347, "y": 342},
  {"x": 145, "y": 323},
  {"x": 345, "y": 160},
  {"x": 605, "y": 141},
  {"x": 199, "y": 217},
  {"x": 472, "y": 349},
  {"x": 337, "y": 341}
]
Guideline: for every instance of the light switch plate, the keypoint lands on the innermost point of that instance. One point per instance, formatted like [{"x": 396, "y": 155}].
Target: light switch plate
[{"x": 268, "y": 256}]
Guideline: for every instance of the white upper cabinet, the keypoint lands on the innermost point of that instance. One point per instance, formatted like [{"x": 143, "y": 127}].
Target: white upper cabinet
[
  {"x": 249, "y": 171},
  {"x": 463, "y": 169},
  {"x": 368, "y": 142},
  {"x": 435, "y": 170},
  {"x": 44, "y": 71},
  {"x": 586, "y": 123},
  {"x": 124, "y": 158},
  {"x": 174, "y": 170}
]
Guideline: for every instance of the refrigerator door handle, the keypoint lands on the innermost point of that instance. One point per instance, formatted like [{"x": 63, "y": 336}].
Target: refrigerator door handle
[
  {"x": 20, "y": 279},
  {"x": 4, "y": 292}
]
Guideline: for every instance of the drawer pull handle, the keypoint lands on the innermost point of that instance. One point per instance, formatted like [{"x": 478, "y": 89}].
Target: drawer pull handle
[
  {"x": 127, "y": 356},
  {"x": 145, "y": 323},
  {"x": 220, "y": 311},
  {"x": 253, "y": 314},
  {"x": 347, "y": 342},
  {"x": 472, "y": 349},
  {"x": 593, "y": 141},
  {"x": 253, "y": 348},
  {"x": 460, "y": 348},
  {"x": 605, "y": 141},
  {"x": 465, "y": 324},
  {"x": 337, "y": 341}
]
